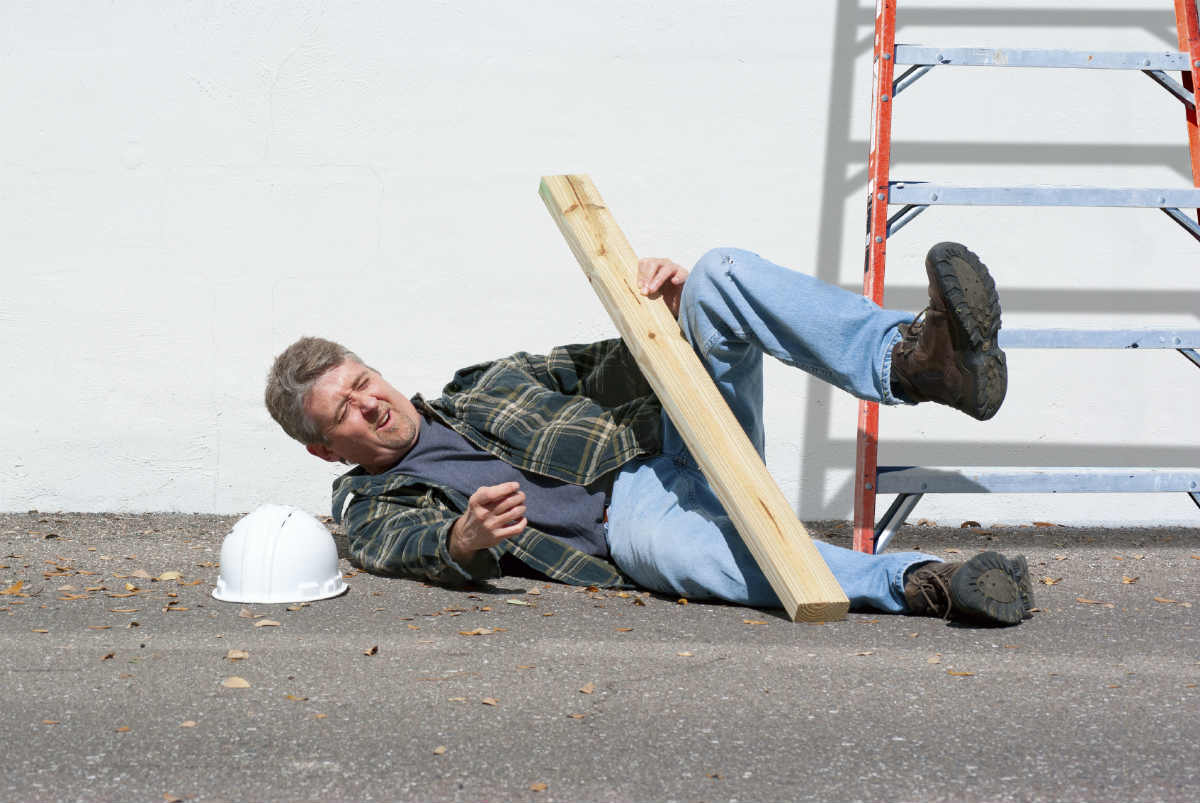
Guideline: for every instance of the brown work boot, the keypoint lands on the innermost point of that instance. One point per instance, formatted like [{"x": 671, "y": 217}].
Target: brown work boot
[
  {"x": 987, "y": 589},
  {"x": 949, "y": 354}
]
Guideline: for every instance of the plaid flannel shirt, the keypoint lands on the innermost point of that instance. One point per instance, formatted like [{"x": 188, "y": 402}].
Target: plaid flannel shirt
[{"x": 575, "y": 414}]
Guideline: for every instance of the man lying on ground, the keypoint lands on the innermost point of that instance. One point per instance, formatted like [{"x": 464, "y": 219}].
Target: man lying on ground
[{"x": 564, "y": 466}]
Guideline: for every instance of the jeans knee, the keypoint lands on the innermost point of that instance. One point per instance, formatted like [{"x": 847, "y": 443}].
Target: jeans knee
[{"x": 710, "y": 270}]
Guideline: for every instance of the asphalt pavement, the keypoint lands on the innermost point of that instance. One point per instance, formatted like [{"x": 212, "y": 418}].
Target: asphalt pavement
[{"x": 117, "y": 684}]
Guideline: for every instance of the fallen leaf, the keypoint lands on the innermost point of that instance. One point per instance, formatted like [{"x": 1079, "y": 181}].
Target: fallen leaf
[
  {"x": 188, "y": 723},
  {"x": 684, "y": 654},
  {"x": 124, "y": 610},
  {"x": 295, "y": 698},
  {"x": 1044, "y": 524},
  {"x": 575, "y": 716},
  {"x": 970, "y": 523},
  {"x": 371, "y": 650},
  {"x": 195, "y": 582},
  {"x": 141, "y": 574},
  {"x": 99, "y": 627},
  {"x": 1126, "y": 580},
  {"x": 519, "y": 602},
  {"x": 534, "y": 591},
  {"x": 538, "y": 787},
  {"x": 865, "y": 652},
  {"x": 490, "y": 701},
  {"x": 440, "y": 750},
  {"x": 1118, "y": 557},
  {"x": 15, "y": 588},
  {"x": 1163, "y": 600},
  {"x": 959, "y": 674},
  {"x": 681, "y": 601},
  {"x": 170, "y": 576},
  {"x": 107, "y": 655},
  {"x": 624, "y": 629},
  {"x": 245, "y": 613},
  {"x": 526, "y": 666},
  {"x": 320, "y": 716},
  {"x": 1086, "y": 601},
  {"x": 1050, "y": 581},
  {"x": 51, "y": 722},
  {"x": 933, "y": 659},
  {"x": 123, "y": 729},
  {"x": 457, "y": 699},
  {"x": 170, "y": 798},
  {"x": 413, "y": 627},
  {"x": 639, "y": 601},
  {"x": 588, "y": 688},
  {"x": 234, "y": 682},
  {"x": 44, "y": 630},
  {"x": 479, "y": 631},
  {"x": 237, "y": 655},
  {"x": 266, "y": 623},
  {"x": 753, "y": 622},
  {"x": 954, "y": 551},
  {"x": 117, "y": 595}
]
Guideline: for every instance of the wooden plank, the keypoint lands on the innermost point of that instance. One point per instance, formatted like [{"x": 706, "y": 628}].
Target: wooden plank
[{"x": 776, "y": 538}]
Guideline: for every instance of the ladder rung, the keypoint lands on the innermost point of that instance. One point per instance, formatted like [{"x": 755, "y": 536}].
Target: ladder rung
[
  {"x": 925, "y": 193},
  {"x": 949, "y": 479},
  {"x": 1100, "y": 338},
  {"x": 1013, "y": 57}
]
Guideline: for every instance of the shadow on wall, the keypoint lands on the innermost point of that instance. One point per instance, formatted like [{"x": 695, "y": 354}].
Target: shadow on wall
[{"x": 845, "y": 176}]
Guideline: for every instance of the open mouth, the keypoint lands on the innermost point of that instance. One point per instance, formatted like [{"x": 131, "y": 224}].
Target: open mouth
[{"x": 383, "y": 421}]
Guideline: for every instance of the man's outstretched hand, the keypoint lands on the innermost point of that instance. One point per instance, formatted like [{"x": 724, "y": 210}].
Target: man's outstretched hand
[
  {"x": 494, "y": 512},
  {"x": 662, "y": 277}
]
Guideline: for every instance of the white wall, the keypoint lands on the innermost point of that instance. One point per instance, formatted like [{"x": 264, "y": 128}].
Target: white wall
[{"x": 187, "y": 187}]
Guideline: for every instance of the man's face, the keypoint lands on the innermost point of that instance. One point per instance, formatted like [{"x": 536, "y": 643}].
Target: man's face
[{"x": 364, "y": 419}]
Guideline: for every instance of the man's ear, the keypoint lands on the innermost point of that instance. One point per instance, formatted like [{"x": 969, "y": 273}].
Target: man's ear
[{"x": 324, "y": 452}]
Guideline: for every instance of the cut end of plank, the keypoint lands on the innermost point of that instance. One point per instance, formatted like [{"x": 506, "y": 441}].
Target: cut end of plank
[{"x": 820, "y": 612}]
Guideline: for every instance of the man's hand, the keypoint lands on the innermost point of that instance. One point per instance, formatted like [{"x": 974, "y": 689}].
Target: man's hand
[
  {"x": 494, "y": 512},
  {"x": 662, "y": 277}
]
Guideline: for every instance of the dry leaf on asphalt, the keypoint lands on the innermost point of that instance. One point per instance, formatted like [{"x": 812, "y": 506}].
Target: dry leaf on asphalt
[
  {"x": 1126, "y": 580},
  {"x": 681, "y": 601},
  {"x": 170, "y": 576},
  {"x": 141, "y": 574},
  {"x": 933, "y": 659},
  {"x": 170, "y": 798},
  {"x": 684, "y": 654},
  {"x": 295, "y": 698},
  {"x": 51, "y": 722},
  {"x": 490, "y": 701},
  {"x": 1049, "y": 581},
  {"x": 959, "y": 674},
  {"x": 107, "y": 656},
  {"x": 575, "y": 716},
  {"x": 588, "y": 688},
  {"x": 234, "y": 682},
  {"x": 753, "y": 622},
  {"x": 237, "y": 655},
  {"x": 519, "y": 602},
  {"x": 123, "y": 729},
  {"x": 865, "y": 652},
  {"x": 479, "y": 631},
  {"x": 15, "y": 588},
  {"x": 538, "y": 787},
  {"x": 124, "y": 610},
  {"x": 266, "y": 623},
  {"x": 624, "y": 629},
  {"x": 1165, "y": 600},
  {"x": 188, "y": 723},
  {"x": 1086, "y": 601},
  {"x": 440, "y": 750},
  {"x": 44, "y": 630},
  {"x": 371, "y": 650}
]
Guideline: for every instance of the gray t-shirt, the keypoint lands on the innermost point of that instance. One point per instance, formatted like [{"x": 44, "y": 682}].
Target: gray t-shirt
[{"x": 571, "y": 513}]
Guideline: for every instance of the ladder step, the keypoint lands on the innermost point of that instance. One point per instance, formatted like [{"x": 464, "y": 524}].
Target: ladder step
[
  {"x": 950, "y": 479},
  {"x": 1013, "y": 57},
  {"x": 924, "y": 193},
  {"x": 1100, "y": 338}
]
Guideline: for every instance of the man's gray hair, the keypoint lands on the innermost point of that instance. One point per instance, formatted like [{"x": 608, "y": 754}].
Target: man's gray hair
[{"x": 292, "y": 376}]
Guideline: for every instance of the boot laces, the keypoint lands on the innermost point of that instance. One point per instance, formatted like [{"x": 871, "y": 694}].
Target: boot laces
[{"x": 935, "y": 590}]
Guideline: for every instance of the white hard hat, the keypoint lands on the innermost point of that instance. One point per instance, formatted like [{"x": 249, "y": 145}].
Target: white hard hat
[{"x": 278, "y": 554}]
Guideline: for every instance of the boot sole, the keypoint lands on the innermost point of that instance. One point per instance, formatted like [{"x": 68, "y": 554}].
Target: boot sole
[
  {"x": 974, "y": 306},
  {"x": 1018, "y": 569},
  {"x": 983, "y": 590}
]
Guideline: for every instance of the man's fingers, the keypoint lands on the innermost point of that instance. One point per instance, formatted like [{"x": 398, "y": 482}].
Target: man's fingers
[
  {"x": 489, "y": 494},
  {"x": 505, "y": 518},
  {"x": 506, "y": 504},
  {"x": 516, "y": 528}
]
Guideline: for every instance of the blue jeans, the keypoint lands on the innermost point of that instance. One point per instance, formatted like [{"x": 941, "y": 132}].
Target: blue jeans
[{"x": 666, "y": 528}]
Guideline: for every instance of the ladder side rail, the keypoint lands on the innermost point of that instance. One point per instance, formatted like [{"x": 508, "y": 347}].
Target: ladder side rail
[
  {"x": 1187, "y": 27},
  {"x": 878, "y": 168}
]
